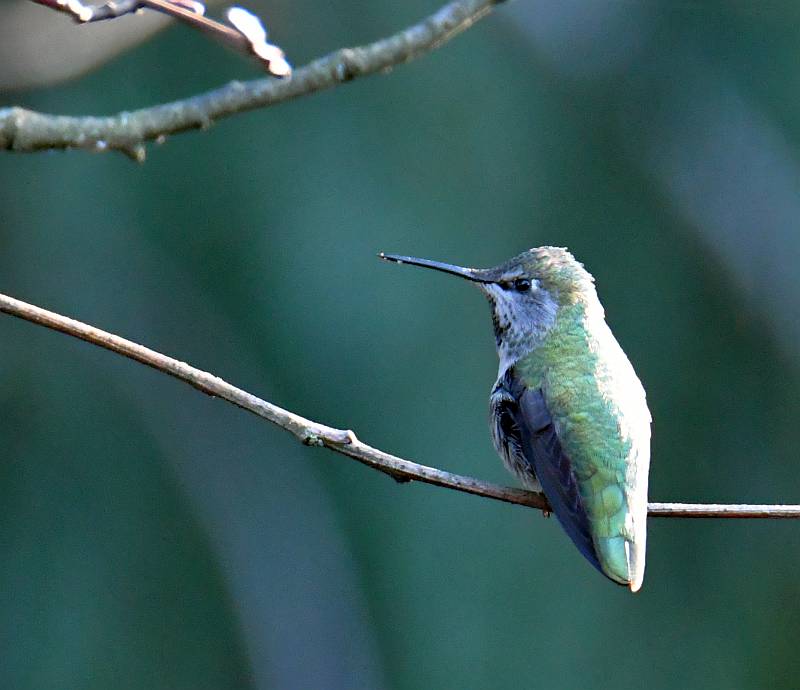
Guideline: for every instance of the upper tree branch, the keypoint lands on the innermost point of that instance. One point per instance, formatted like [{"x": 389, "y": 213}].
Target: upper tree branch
[
  {"x": 344, "y": 441},
  {"x": 27, "y": 131}
]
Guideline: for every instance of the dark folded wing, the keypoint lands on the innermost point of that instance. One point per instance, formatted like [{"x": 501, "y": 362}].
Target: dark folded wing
[{"x": 536, "y": 437}]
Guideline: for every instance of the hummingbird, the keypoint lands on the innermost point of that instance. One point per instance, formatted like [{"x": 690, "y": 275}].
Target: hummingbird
[{"x": 568, "y": 414}]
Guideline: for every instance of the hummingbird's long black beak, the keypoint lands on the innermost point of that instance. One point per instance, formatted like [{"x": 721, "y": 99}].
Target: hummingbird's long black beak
[{"x": 474, "y": 274}]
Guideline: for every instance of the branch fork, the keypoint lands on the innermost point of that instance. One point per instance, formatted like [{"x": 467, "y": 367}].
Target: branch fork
[{"x": 326, "y": 436}]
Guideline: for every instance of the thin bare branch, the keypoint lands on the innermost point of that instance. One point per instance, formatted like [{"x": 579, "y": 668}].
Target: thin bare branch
[
  {"x": 341, "y": 440},
  {"x": 723, "y": 510},
  {"x": 27, "y": 131}
]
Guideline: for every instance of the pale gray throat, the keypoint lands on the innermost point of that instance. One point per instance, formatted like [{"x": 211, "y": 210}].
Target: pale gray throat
[{"x": 521, "y": 322}]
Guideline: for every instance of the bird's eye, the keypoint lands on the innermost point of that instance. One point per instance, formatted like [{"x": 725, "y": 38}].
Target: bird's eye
[{"x": 522, "y": 284}]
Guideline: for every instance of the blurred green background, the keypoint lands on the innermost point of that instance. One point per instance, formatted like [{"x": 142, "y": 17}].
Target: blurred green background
[{"x": 151, "y": 537}]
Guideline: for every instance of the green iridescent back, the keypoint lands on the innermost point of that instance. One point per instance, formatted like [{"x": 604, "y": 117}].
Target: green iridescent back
[{"x": 601, "y": 418}]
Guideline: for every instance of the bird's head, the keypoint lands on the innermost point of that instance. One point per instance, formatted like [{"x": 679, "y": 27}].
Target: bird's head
[{"x": 525, "y": 293}]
